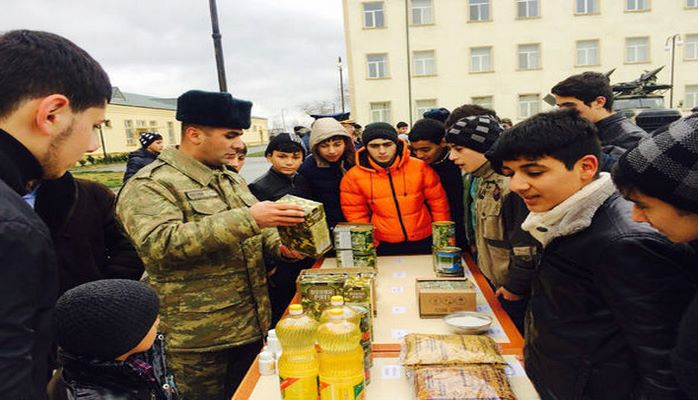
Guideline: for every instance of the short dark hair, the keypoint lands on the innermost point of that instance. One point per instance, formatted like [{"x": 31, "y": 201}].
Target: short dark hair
[
  {"x": 402, "y": 124},
  {"x": 586, "y": 87},
  {"x": 427, "y": 129},
  {"x": 467, "y": 110},
  {"x": 561, "y": 134},
  {"x": 288, "y": 148},
  {"x": 34, "y": 64}
]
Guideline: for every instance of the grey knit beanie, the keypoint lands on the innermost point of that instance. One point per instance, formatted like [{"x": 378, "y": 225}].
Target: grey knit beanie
[{"x": 476, "y": 132}]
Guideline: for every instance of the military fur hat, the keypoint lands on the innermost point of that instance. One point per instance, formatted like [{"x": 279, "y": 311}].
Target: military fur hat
[
  {"x": 215, "y": 109},
  {"x": 476, "y": 132}
]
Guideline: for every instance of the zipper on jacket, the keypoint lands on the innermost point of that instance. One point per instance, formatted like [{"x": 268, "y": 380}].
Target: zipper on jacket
[{"x": 397, "y": 205}]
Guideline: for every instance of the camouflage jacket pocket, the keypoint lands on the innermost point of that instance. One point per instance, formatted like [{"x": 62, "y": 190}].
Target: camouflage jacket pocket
[
  {"x": 209, "y": 299},
  {"x": 209, "y": 206}
]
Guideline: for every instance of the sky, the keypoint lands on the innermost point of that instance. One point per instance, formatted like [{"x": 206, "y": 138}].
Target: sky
[{"x": 278, "y": 53}]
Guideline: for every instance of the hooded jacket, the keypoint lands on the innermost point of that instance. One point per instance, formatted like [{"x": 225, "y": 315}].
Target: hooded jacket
[
  {"x": 401, "y": 201},
  {"x": 138, "y": 159},
  {"x": 324, "y": 177}
]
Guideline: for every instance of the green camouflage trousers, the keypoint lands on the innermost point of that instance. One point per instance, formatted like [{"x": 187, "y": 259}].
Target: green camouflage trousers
[{"x": 211, "y": 375}]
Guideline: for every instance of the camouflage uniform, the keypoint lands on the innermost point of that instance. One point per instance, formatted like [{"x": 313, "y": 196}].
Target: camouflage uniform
[{"x": 204, "y": 254}]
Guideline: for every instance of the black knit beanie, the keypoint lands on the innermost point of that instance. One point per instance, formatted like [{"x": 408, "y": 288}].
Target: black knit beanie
[
  {"x": 105, "y": 319},
  {"x": 476, "y": 132},
  {"x": 379, "y": 130},
  {"x": 147, "y": 138},
  {"x": 439, "y": 114},
  {"x": 665, "y": 166}
]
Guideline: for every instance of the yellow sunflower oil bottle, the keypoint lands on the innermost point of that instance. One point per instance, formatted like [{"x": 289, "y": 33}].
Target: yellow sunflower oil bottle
[
  {"x": 348, "y": 313},
  {"x": 341, "y": 359},
  {"x": 298, "y": 364}
]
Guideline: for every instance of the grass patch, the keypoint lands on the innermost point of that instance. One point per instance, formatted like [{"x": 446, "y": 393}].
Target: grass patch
[
  {"x": 256, "y": 154},
  {"x": 110, "y": 179}
]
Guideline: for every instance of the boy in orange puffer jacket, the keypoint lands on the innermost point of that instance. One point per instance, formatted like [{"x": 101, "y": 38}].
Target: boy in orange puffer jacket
[{"x": 400, "y": 195}]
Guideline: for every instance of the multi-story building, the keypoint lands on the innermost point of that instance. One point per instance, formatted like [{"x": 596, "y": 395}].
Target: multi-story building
[
  {"x": 130, "y": 114},
  {"x": 406, "y": 56}
]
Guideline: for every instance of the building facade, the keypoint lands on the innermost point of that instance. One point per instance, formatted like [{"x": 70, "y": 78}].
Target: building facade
[
  {"x": 130, "y": 114},
  {"x": 406, "y": 56}
]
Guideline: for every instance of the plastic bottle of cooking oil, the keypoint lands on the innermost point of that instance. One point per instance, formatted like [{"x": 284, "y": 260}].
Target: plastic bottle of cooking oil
[
  {"x": 341, "y": 359},
  {"x": 348, "y": 313},
  {"x": 298, "y": 364}
]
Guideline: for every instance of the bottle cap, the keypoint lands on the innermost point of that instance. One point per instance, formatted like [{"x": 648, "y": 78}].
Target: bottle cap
[
  {"x": 295, "y": 309},
  {"x": 336, "y": 313},
  {"x": 337, "y": 300}
]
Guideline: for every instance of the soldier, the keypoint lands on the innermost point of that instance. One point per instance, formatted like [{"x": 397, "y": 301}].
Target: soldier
[{"x": 203, "y": 238}]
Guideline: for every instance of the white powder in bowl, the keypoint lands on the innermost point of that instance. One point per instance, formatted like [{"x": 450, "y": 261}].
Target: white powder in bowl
[{"x": 468, "y": 321}]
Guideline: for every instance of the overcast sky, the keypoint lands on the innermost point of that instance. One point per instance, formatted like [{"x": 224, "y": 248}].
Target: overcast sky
[{"x": 278, "y": 53}]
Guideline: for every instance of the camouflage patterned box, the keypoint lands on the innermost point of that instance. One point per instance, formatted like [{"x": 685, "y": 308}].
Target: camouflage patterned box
[
  {"x": 317, "y": 286},
  {"x": 351, "y": 258},
  {"x": 310, "y": 237},
  {"x": 354, "y": 236}
]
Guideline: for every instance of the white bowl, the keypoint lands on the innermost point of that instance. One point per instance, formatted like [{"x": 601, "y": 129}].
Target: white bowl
[{"x": 468, "y": 322}]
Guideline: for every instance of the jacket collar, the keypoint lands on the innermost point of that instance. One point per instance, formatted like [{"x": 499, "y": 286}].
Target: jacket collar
[
  {"x": 188, "y": 166},
  {"x": 283, "y": 176},
  {"x": 365, "y": 162},
  {"x": 485, "y": 171},
  {"x": 445, "y": 152},
  {"x": 18, "y": 166},
  {"x": 608, "y": 121},
  {"x": 572, "y": 215}
]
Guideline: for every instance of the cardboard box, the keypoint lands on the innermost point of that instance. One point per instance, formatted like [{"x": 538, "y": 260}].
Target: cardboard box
[
  {"x": 441, "y": 296},
  {"x": 311, "y": 237},
  {"x": 351, "y": 258},
  {"x": 354, "y": 236},
  {"x": 317, "y": 286}
]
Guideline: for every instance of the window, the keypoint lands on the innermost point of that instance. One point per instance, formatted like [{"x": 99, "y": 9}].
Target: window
[
  {"x": 529, "y": 56},
  {"x": 480, "y": 59},
  {"x": 154, "y": 126},
  {"x": 479, "y": 10},
  {"x": 691, "y": 44},
  {"x": 587, "y": 6},
  {"x": 526, "y": 8},
  {"x": 377, "y": 65},
  {"x": 373, "y": 15},
  {"x": 529, "y": 104},
  {"x": 483, "y": 101},
  {"x": 587, "y": 52},
  {"x": 424, "y": 63},
  {"x": 421, "y": 12},
  {"x": 130, "y": 133},
  {"x": 422, "y": 106},
  {"x": 380, "y": 112},
  {"x": 691, "y": 3},
  {"x": 637, "y": 50},
  {"x": 637, "y": 5},
  {"x": 691, "y": 97},
  {"x": 171, "y": 132}
]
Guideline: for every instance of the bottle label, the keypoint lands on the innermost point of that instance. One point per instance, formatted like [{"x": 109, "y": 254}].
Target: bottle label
[
  {"x": 343, "y": 391},
  {"x": 298, "y": 388}
]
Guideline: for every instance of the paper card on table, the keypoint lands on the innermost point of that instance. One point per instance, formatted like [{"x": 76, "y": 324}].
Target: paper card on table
[
  {"x": 515, "y": 369},
  {"x": 399, "y": 309},
  {"x": 483, "y": 308},
  {"x": 397, "y": 289},
  {"x": 496, "y": 331},
  {"x": 391, "y": 372},
  {"x": 398, "y": 333},
  {"x": 399, "y": 274}
]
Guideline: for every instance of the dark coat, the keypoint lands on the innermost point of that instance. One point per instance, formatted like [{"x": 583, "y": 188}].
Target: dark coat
[
  {"x": 142, "y": 377},
  {"x": 324, "y": 183},
  {"x": 617, "y": 135},
  {"x": 87, "y": 239},
  {"x": 274, "y": 185},
  {"x": 683, "y": 357},
  {"x": 604, "y": 311},
  {"x": 525, "y": 250},
  {"x": 136, "y": 160},
  {"x": 28, "y": 281},
  {"x": 452, "y": 181}
]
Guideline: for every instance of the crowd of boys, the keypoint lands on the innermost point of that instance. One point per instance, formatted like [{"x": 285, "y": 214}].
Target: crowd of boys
[{"x": 581, "y": 222}]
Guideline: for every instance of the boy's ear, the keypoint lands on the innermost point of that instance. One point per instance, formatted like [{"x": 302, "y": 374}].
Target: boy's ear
[{"x": 589, "y": 166}]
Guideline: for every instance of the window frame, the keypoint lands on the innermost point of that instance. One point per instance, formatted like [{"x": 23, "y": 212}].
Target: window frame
[
  {"x": 519, "y": 104},
  {"x": 424, "y": 63},
  {"x": 421, "y": 13},
  {"x": 479, "y": 6},
  {"x": 687, "y": 5},
  {"x": 690, "y": 44},
  {"x": 373, "y": 13},
  {"x": 648, "y": 6},
  {"x": 381, "y": 110},
  {"x": 627, "y": 52},
  {"x": 489, "y": 58},
  {"x": 419, "y": 115},
  {"x": 490, "y": 105},
  {"x": 384, "y": 63},
  {"x": 596, "y": 11},
  {"x": 694, "y": 95},
  {"x": 598, "y": 54},
  {"x": 527, "y": 2},
  {"x": 518, "y": 57},
  {"x": 130, "y": 131}
]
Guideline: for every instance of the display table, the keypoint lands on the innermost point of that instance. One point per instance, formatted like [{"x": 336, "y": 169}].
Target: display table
[{"x": 398, "y": 315}]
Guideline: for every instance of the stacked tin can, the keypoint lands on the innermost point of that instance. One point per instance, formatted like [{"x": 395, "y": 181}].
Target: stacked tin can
[
  {"x": 447, "y": 257},
  {"x": 354, "y": 245}
]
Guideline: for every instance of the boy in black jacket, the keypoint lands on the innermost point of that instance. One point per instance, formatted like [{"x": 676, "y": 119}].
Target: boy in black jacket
[
  {"x": 285, "y": 152},
  {"x": 608, "y": 293}
]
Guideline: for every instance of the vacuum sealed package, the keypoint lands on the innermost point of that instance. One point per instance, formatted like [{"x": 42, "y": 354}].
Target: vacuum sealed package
[
  {"x": 462, "y": 382},
  {"x": 426, "y": 349}
]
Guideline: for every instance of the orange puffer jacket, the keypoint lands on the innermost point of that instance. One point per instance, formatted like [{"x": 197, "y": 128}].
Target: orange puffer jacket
[{"x": 396, "y": 200}]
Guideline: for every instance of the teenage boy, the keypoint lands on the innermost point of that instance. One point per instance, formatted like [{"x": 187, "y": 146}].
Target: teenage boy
[
  {"x": 151, "y": 146},
  {"x": 656, "y": 177},
  {"x": 403, "y": 131},
  {"x": 53, "y": 95},
  {"x": 501, "y": 245},
  {"x": 591, "y": 94},
  {"x": 285, "y": 153},
  {"x": 427, "y": 144},
  {"x": 400, "y": 195},
  {"x": 608, "y": 293},
  {"x": 237, "y": 160},
  {"x": 331, "y": 156},
  {"x": 110, "y": 349}
]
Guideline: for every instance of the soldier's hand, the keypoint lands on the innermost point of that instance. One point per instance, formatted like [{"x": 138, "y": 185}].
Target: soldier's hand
[
  {"x": 507, "y": 295},
  {"x": 290, "y": 253},
  {"x": 268, "y": 214}
]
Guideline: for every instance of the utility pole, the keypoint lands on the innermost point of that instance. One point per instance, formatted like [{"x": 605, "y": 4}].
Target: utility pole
[
  {"x": 341, "y": 81},
  {"x": 217, "y": 46},
  {"x": 409, "y": 60},
  {"x": 675, "y": 40}
]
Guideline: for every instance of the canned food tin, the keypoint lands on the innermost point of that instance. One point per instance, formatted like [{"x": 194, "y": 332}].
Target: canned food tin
[
  {"x": 362, "y": 239},
  {"x": 443, "y": 234},
  {"x": 447, "y": 261}
]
